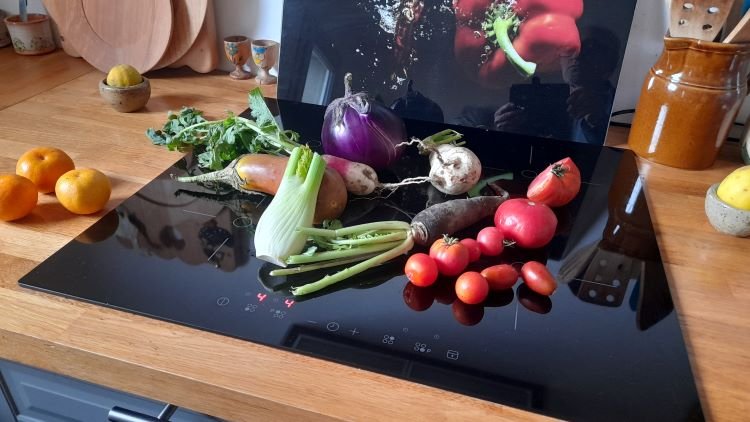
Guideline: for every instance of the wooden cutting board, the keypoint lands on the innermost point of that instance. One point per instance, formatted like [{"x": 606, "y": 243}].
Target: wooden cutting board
[
  {"x": 59, "y": 13},
  {"x": 188, "y": 18},
  {"x": 107, "y": 33},
  {"x": 203, "y": 56}
]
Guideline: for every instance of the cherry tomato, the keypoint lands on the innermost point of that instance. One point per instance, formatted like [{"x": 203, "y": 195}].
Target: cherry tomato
[
  {"x": 451, "y": 256},
  {"x": 538, "y": 278},
  {"x": 530, "y": 224},
  {"x": 471, "y": 288},
  {"x": 467, "y": 314},
  {"x": 500, "y": 277},
  {"x": 421, "y": 270},
  {"x": 533, "y": 301},
  {"x": 490, "y": 241},
  {"x": 418, "y": 298},
  {"x": 557, "y": 185},
  {"x": 473, "y": 247}
]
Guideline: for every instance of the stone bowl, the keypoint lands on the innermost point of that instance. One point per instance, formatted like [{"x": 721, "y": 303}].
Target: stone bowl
[
  {"x": 128, "y": 99},
  {"x": 724, "y": 217}
]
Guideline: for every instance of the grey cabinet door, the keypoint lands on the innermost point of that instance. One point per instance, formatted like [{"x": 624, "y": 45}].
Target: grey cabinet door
[
  {"x": 6, "y": 414},
  {"x": 41, "y": 396}
]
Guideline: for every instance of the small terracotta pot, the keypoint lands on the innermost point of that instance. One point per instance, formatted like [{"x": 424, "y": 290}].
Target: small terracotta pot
[
  {"x": 32, "y": 37},
  {"x": 128, "y": 99}
]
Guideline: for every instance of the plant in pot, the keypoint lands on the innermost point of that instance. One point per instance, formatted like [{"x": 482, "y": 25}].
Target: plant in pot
[{"x": 30, "y": 33}]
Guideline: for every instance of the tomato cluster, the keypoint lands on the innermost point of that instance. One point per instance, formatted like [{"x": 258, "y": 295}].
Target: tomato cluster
[
  {"x": 450, "y": 257},
  {"x": 528, "y": 223}
]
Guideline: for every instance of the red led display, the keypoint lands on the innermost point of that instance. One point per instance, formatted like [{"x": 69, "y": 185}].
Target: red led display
[
  {"x": 261, "y": 297},
  {"x": 288, "y": 303}
]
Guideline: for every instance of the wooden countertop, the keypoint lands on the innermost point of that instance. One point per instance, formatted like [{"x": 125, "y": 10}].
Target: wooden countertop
[{"x": 59, "y": 105}]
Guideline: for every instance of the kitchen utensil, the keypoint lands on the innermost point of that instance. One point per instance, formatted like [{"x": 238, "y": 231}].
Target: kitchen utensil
[
  {"x": 699, "y": 19},
  {"x": 203, "y": 56},
  {"x": 108, "y": 33},
  {"x": 735, "y": 14},
  {"x": 741, "y": 32},
  {"x": 237, "y": 49},
  {"x": 60, "y": 16},
  {"x": 689, "y": 101},
  {"x": 188, "y": 20},
  {"x": 22, "y": 10},
  {"x": 265, "y": 53}
]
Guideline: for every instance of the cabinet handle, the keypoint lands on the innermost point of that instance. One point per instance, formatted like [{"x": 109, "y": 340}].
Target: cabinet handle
[{"x": 118, "y": 414}]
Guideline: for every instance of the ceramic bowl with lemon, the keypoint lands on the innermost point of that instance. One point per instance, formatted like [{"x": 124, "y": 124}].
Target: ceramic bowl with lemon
[
  {"x": 728, "y": 203},
  {"x": 125, "y": 89}
]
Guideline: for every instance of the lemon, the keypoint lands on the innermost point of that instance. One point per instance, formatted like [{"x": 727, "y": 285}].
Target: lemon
[
  {"x": 735, "y": 188},
  {"x": 123, "y": 75}
]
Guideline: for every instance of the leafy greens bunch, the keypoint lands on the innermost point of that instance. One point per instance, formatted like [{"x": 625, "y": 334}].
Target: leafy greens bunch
[{"x": 217, "y": 142}]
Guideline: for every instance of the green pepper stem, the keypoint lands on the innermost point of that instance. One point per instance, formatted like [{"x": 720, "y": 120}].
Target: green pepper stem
[
  {"x": 501, "y": 27},
  {"x": 403, "y": 247}
]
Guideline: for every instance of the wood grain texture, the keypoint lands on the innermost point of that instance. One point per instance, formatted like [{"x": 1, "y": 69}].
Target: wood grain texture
[
  {"x": 58, "y": 11},
  {"x": 108, "y": 33},
  {"x": 189, "y": 16},
  {"x": 25, "y": 76},
  {"x": 203, "y": 56},
  {"x": 238, "y": 380},
  {"x": 741, "y": 31}
]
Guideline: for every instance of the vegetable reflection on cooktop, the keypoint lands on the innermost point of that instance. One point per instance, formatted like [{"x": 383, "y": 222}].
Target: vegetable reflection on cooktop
[{"x": 606, "y": 346}]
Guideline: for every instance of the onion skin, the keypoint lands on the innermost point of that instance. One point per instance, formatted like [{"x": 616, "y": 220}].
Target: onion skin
[{"x": 362, "y": 130}]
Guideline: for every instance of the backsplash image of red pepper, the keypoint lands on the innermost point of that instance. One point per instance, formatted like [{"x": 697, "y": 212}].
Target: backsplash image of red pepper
[{"x": 528, "y": 35}]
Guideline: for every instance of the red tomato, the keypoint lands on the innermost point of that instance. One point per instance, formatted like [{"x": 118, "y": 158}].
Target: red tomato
[
  {"x": 472, "y": 288},
  {"x": 421, "y": 270},
  {"x": 538, "y": 278},
  {"x": 530, "y": 224},
  {"x": 418, "y": 298},
  {"x": 451, "y": 256},
  {"x": 557, "y": 185},
  {"x": 467, "y": 314},
  {"x": 490, "y": 241},
  {"x": 500, "y": 277},
  {"x": 475, "y": 252}
]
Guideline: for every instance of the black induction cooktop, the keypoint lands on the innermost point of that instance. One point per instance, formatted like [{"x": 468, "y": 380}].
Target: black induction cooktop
[{"x": 606, "y": 346}]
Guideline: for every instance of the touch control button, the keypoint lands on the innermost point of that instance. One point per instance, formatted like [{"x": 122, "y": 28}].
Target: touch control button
[
  {"x": 222, "y": 301},
  {"x": 333, "y": 326}
]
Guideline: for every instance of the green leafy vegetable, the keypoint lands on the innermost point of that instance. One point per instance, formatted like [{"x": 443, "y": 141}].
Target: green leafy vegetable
[{"x": 218, "y": 142}]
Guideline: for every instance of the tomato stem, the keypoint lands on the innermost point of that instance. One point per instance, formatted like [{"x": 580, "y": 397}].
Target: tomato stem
[{"x": 558, "y": 170}]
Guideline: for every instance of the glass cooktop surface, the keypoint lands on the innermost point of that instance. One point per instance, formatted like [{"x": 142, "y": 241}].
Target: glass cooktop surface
[{"x": 606, "y": 346}]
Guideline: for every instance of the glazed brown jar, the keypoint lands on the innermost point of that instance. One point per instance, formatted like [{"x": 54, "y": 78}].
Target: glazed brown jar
[{"x": 689, "y": 101}]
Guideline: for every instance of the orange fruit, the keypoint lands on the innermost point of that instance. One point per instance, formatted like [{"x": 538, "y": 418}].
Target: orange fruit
[
  {"x": 43, "y": 166},
  {"x": 83, "y": 191},
  {"x": 18, "y": 197}
]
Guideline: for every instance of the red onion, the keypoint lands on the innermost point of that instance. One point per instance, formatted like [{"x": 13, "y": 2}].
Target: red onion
[{"x": 362, "y": 130}]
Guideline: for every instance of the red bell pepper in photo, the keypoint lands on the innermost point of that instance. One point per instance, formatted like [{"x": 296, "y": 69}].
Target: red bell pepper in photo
[{"x": 530, "y": 34}]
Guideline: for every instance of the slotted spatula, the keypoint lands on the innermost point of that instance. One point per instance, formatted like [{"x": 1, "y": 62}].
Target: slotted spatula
[{"x": 700, "y": 19}]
